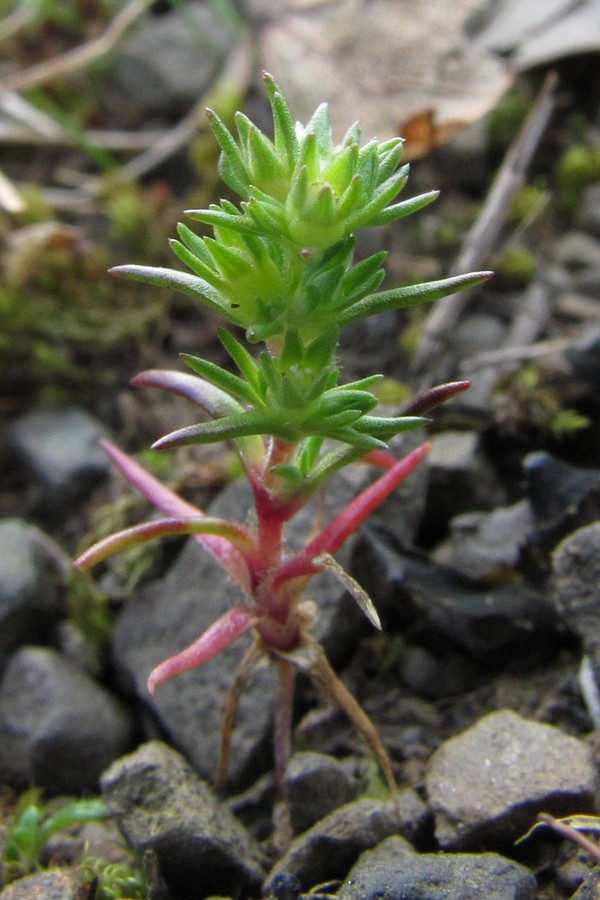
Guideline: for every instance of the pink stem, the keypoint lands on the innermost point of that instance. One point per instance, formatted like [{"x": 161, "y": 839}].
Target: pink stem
[
  {"x": 334, "y": 535},
  {"x": 221, "y": 634}
]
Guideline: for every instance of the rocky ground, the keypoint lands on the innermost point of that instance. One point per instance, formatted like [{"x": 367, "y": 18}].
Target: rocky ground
[{"x": 484, "y": 568}]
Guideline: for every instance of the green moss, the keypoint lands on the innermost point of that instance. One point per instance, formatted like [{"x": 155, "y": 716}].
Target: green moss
[
  {"x": 505, "y": 120},
  {"x": 517, "y": 265},
  {"x": 577, "y": 168}
]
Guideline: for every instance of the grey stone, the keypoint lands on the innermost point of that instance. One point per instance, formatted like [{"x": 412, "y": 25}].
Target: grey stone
[
  {"x": 30, "y": 585},
  {"x": 590, "y": 888},
  {"x": 577, "y": 250},
  {"x": 58, "y": 728},
  {"x": 434, "y": 876},
  {"x": 328, "y": 850},
  {"x": 170, "y": 60},
  {"x": 556, "y": 490},
  {"x": 315, "y": 784},
  {"x": 61, "y": 448},
  {"x": 461, "y": 478},
  {"x": 56, "y": 884},
  {"x": 163, "y": 806},
  {"x": 486, "y": 545},
  {"x": 486, "y": 785},
  {"x": 588, "y": 217},
  {"x": 576, "y": 564},
  {"x": 484, "y": 620}
]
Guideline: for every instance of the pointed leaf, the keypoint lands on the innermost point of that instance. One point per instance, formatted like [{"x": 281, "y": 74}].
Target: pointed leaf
[
  {"x": 211, "y": 399},
  {"x": 160, "y": 528},
  {"x": 410, "y": 296},
  {"x": 349, "y": 520},
  {"x": 226, "y": 381},
  {"x": 170, "y": 503},
  {"x": 326, "y": 561},
  {"x": 224, "y": 632},
  {"x": 192, "y": 285}
]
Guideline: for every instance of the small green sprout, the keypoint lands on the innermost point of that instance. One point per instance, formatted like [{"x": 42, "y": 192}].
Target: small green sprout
[{"x": 32, "y": 828}]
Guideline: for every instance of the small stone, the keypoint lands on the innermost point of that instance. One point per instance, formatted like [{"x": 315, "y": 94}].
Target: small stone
[
  {"x": 487, "y": 545},
  {"x": 163, "y": 807},
  {"x": 590, "y": 889},
  {"x": 576, "y": 563},
  {"x": 556, "y": 489},
  {"x": 315, "y": 784},
  {"x": 327, "y": 850},
  {"x": 58, "y": 728},
  {"x": 30, "y": 585},
  {"x": 486, "y": 785},
  {"x": 61, "y": 447},
  {"x": 461, "y": 478},
  {"x": 576, "y": 250},
  {"x": 170, "y": 60},
  {"x": 52, "y": 885},
  {"x": 433, "y": 876},
  {"x": 589, "y": 210}
]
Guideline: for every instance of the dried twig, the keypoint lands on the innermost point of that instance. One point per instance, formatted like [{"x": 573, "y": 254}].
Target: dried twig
[
  {"x": 79, "y": 57},
  {"x": 481, "y": 238}
]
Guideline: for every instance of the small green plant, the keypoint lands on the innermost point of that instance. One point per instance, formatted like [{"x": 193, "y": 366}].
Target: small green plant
[
  {"x": 281, "y": 268},
  {"x": 114, "y": 881},
  {"x": 32, "y": 827}
]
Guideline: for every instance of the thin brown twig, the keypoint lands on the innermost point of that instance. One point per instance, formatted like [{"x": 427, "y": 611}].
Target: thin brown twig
[
  {"x": 572, "y": 834},
  {"x": 79, "y": 57},
  {"x": 480, "y": 240}
]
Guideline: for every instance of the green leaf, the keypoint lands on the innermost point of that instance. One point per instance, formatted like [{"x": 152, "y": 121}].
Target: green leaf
[
  {"x": 401, "y": 210},
  {"x": 232, "y": 168},
  {"x": 243, "y": 360},
  {"x": 225, "y": 429},
  {"x": 286, "y": 142},
  {"x": 381, "y": 426},
  {"x": 223, "y": 379},
  {"x": 191, "y": 285},
  {"x": 412, "y": 295}
]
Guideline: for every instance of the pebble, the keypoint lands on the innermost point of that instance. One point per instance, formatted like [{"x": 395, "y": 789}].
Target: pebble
[
  {"x": 169, "y": 61},
  {"x": 68, "y": 730},
  {"x": 61, "y": 448},
  {"x": 315, "y": 784},
  {"x": 30, "y": 585},
  {"x": 328, "y": 850},
  {"x": 486, "y": 785},
  {"x": 55, "y": 884},
  {"x": 487, "y": 545},
  {"x": 577, "y": 250},
  {"x": 164, "y": 807},
  {"x": 576, "y": 581},
  {"x": 401, "y": 875}
]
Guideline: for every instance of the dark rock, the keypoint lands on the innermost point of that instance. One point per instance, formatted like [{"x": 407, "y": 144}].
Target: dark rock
[
  {"x": 30, "y": 585},
  {"x": 484, "y": 620},
  {"x": 58, "y": 728},
  {"x": 461, "y": 478},
  {"x": 52, "y": 885},
  {"x": 163, "y": 807},
  {"x": 169, "y": 60},
  {"x": 488, "y": 545},
  {"x": 584, "y": 358},
  {"x": 576, "y": 564},
  {"x": 168, "y": 615},
  {"x": 434, "y": 876},
  {"x": 588, "y": 216},
  {"x": 315, "y": 784},
  {"x": 486, "y": 785},
  {"x": 60, "y": 447},
  {"x": 590, "y": 889},
  {"x": 576, "y": 250},
  {"x": 435, "y": 676},
  {"x": 327, "y": 850},
  {"x": 555, "y": 488}
]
